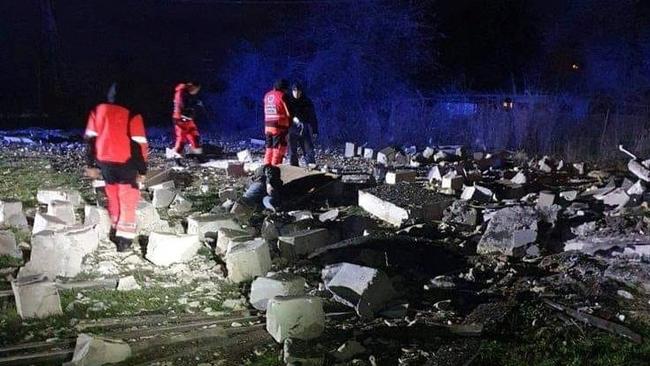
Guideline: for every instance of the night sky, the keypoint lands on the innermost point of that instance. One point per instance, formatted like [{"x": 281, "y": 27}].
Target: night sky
[{"x": 579, "y": 46}]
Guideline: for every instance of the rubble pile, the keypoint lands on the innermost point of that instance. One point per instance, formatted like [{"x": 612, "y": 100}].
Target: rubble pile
[{"x": 381, "y": 255}]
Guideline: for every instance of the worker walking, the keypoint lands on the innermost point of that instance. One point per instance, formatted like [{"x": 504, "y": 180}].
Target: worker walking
[
  {"x": 118, "y": 149},
  {"x": 186, "y": 108},
  {"x": 276, "y": 123},
  {"x": 304, "y": 128}
]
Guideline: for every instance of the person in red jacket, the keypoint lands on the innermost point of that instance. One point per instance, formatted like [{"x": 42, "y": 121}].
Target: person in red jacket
[
  {"x": 118, "y": 149},
  {"x": 186, "y": 107},
  {"x": 276, "y": 123}
]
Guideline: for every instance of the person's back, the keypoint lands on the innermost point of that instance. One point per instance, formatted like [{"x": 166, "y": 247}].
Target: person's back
[{"x": 276, "y": 123}]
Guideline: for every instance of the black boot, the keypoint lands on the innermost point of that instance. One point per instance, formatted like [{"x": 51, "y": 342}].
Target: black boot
[{"x": 123, "y": 244}]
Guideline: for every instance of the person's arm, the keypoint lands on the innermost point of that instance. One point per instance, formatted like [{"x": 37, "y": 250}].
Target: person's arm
[
  {"x": 178, "y": 105},
  {"x": 90, "y": 136},
  {"x": 140, "y": 151}
]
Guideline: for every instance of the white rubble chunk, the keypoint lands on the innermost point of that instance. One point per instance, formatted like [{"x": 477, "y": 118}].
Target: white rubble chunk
[
  {"x": 579, "y": 168},
  {"x": 365, "y": 289},
  {"x": 435, "y": 174},
  {"x": 280, "y": 284},
  {"x": 330, "y": 215},
  {"x": 248, "y": 260},
  {"x": 8, "y": 246},
  {"x": 477, "y": 193},
  {"x": 11, "y": 214},
  {"x": 617, "y": 197},
  {"x": 128, "y": 284},
  {"x": 302, "y": 243},
  {"x": 519, "y": 178},
  {"x": 300, "y": 215},
  {"x": 43, "y": 222},
  {"x": 228, "y": 238},
  {"x": 452, "y": 182},
  {"x": 60, "y": 253},
  {"x": 569, "y": 196},
  {"x": 163, "y": 197},
  {"x": 99, "y": 217},
  {"x": 428, "y": 152},
  {"x": 91, "y": 350},
  {"x": 300, "y": 317},
  {"x": 45, "y": 196},
  {"x": 245, "y": 156},
  {"x": 164, "y": 249},
  {"x": 180, "y": 205},
  {"x": 397, "y": 215},
  {"x": 170, "y": 185},
  {"x": 638, "y": 169},
  {"x": 545, "y": 199},
  {"x": 147, "y": 218},
  {"x": 637, "y": 189},
  {"x": 62, "y": 210},
  {"x": 509, "y": 231},
  {"x": 368, "y": 153},
  {"x": 36, "y": 297},
  {"x": 209, "y": 225},
  {"x": 350, "y": 150},
  {"x": 401, "y": 176},
  {"x": 386, "y": 156}
]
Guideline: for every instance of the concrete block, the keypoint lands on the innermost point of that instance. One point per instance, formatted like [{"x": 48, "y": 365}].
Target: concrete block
[
  {"x": 280, "y": 284},
  {"x": 452, "y": 182},
  {"x": 617, "y": 197},
  {"x": 519, "y": 178},
  {"x": 368, "y": 153},
  {"x": 248, "y": 260},
  {"x": 163, "y": 197},
  {"x": 546, "y": 199},
  {"x": 128, "y": 283},
  {"x": 579, "y": 168},
  {"x": 44, "y": 222},
  {"x": 169, "y": 185},
  {"x": 36, "y": 297},
  {"x": 302, "y": 243},
  {"x": 60, "y": 253},
  {"x": 45, "y": 196},
  {"x": 180, "y": 205},
  {"x": 158, "y": 176},
  {"x": 397, "y": 204},
  {"x": 11, "y": 214},
  {"x": 428, "y": 152},
  {"x": 91, "y": 350},
  {"x": 386, "y": 156},
  {"x": 147, "y": 217},
  {"x": 164, "y": 248},
  {"x": 99, "y": 217},
  {"x": 228, "y": 194},
  {"x": 350, "y": 150},
  {"x": 228, "y": 238},
  {"x": 365, "y": 289},
  {"x": 8, "y": 246},
  {"x": 400, "y": 176},
  {"x": 637, "y": 189},
  {"x": 440, "y": 156},
  {"x": 569, "y": 196},
  {"x": 62, "y": 210},
  {"x": 300, "y": 317},
  {"x": 235, "y": 170},
  {"x": 245, "y": 156},
  {"x": 461, "y": 213},
  {"x": 359, "y": 151},
  {"x": 209, "y": 225},
  {"x": 435, "y": 175},
  {"x": 509, "y": 231},
  {"x": 477, "y": 193}
]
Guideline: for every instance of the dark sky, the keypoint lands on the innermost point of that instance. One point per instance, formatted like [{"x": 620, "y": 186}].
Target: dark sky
[{"x": 482, "y": 45}]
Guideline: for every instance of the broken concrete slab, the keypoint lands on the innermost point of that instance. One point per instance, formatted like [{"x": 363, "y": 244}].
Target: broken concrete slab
[
  {"x": 163, "y": 197},
  {"x": 8, "y": 246},
  {"x": 164, "y": 249},
  {"x": 509, "y": 231},
  {"x": 618, "y": 197},
  {"x": 400, "y": 203},
  {"x": 36, "y": 297},
  {"x": 636, "y": 189},
  {"x": 245, "y": 156},
  {"x": 368, "y": 153},
  {"x": 62, "y": 210},
  {"x": 147, "y": 217},
  {"x": 519, "y": 178},
  {"x": 569, "y": 196},
  {"x": 45, "y": 196},
  {"x": 330, "y": 215},
  {"x": 248, "y": 260},
  {"x": 435, "y": 174},
  {"x": 279, "y": 284},
  {"x": 92, "y": 350},
  {"x": 169, "y": 185},
  {"x": 99, "y": 217},
  {"x": 401, "y": 176},
  {"x": 386, "y": 156},
  {"x": 365, "y": 289},
  {"x": 11, "y": 214},
  {"x": 350, "y": 150},
  {"x": 348, "y": 351},
  {"x": 477, "y": 193},
  {"x": 209, "y": 224},
  {"x": 180, "y": 205},
  {"x": 302, "y": 243},
  {"x": 546, "y": 199},
  {"x": 460, "y": 213},
  {"x": 128, "y": 283},
  {"x": 638, "y": 169},
  {"x": 60, "y": 253},
  {"x": 592, "y": 244},
  {"x": 228, "y": 238},
  {"x": 452, "y": 182},
  {"x": 228, "y": 194},
  {"x": 43, "y": 222},
  {"x": 155, "y": 177},
  {"x": 300, "y": 317}
]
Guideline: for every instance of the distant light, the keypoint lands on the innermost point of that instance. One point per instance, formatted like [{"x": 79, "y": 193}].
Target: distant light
[
  {"x": 575, "y": 66},
  {"x": 508, "y": 104}
]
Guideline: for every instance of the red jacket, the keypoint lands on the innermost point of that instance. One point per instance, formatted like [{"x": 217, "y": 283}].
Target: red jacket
[
  {"x": 276, "y": 113},
  {"x": 114, "y": 129}
]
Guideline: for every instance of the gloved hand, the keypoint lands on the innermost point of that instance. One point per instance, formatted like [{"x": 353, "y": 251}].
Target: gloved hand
[{"x": 296, "y": 120}]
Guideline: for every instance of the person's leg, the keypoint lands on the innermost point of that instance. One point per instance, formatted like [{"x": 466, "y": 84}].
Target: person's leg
[
  {"x": 254, "y": 194},
  {"x": 268, "y": 153},
  {"x": 180, "y": 139},
  {"x": 126, "y": 226},
  {"x": 294, "y": 141},
  {"x": 113, "y": 203},
  {"x": 192, "y": 135},
  {"x": 281, "y": 148},
  {"x": 308, "y": 146}
]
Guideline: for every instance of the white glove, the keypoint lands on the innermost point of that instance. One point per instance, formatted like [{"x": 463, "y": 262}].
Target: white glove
[{"x": 296, "y": 120}]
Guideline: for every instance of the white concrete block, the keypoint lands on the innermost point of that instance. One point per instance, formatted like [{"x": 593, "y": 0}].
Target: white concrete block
[
  {"x": 169, "y": 185},
  {"x": 386, "y": 156},
  {"x": 368, "y": 153},
  {"x": 36, "y": 297},
  {"x": 519, "y": 178},
  {"x": 509, "y": 231},
  {"x": 166, "y": 248},
  {"x": 302, "y": 243},
  {"x": 91, "y": 350},
  {"x": 128, "y": 284},
  {"x": 180, "y": 205},
  {"x": 245, "y": 156},
  {"x": 434, "y": 175},
  {"x": 11, "y": 214},
  {"x": 477, "y": 193},
  {"x": 147, "y": 217},
  {"x": 62, "y": 210},
  {"x": 208, "y": 224},
  {"x": 280, "y": 284},
  {"x": 162, "y": 197},
  {"x": 401, "y": 176},
  {"x": 452, "y": 181},
  {"x": 8, "y": 245},
  {"x": 248, "y": 260},
  {"x": 99, "y": 217},
  {"x": 350, "y": 150},
  {"x": 300, "y": 317},
  {"x": 45, "y": 196}
]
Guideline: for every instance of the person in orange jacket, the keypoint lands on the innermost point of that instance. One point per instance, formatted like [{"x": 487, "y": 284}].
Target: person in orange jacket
[
  {"x": 276, "y": 123},
  {"x": 118, "y": 150},
  {"x": 186, "y": 108}
]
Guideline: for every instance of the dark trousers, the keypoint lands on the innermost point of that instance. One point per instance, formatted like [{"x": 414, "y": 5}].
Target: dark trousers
[{"x": 301, "y": 139}]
